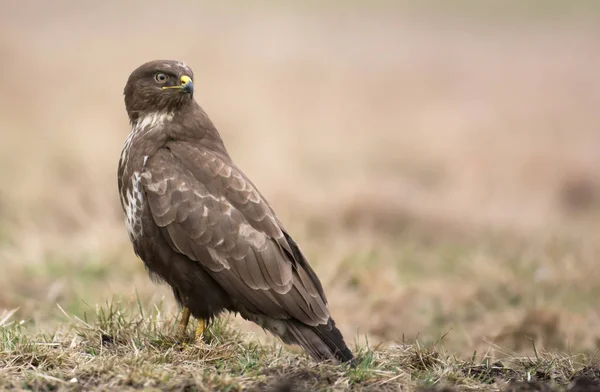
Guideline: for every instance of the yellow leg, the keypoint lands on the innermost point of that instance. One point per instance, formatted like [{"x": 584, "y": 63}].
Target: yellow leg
[
  {"x": 200, "y": 331},
  {"x": 183, "y": 322}
]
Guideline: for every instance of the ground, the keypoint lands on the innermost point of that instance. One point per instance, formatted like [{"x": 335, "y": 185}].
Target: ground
[
  {"x": 136, "y": 348},
  {"x": 437, "y": 165}
]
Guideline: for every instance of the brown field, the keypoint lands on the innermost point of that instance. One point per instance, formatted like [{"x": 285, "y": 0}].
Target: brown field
[{"x": 438, "y": 165}]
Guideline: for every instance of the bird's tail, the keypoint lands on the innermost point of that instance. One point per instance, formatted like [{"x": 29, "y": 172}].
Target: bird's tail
[{"x": 323, "y": 342}]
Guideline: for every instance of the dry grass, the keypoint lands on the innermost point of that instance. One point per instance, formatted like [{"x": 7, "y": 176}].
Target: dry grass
[
  {"x": 437, "y": 165},
  {"x": 127, "y": 348}
]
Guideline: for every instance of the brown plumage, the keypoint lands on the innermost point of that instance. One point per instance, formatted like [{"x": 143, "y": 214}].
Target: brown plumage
[{"x": 200, "y": 225}]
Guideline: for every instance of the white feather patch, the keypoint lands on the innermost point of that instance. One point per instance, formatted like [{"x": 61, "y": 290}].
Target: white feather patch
[
  {"x": 144, "y": 124},
  {"x": 134, "y": 205},
  {"x": 133, "y": 199},
  {"x": 151, "y": 120}
]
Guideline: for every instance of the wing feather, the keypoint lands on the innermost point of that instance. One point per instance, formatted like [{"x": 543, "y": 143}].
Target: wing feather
[{"x": 210, "y": 212}]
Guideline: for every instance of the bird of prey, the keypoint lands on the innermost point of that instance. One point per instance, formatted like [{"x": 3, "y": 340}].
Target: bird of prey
[{"x": 200, "y": 225}]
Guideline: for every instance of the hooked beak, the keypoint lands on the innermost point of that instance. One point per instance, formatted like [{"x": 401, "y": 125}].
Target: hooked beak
[{"x": 186, "y": 86}]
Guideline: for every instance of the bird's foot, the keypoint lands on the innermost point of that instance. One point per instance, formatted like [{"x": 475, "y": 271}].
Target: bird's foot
[
  {"x": 183, "y": 322},
  {"x": 199, "y": 336}
]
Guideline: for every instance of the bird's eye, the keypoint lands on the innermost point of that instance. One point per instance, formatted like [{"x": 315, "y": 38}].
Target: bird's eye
[{"x": 161, "y": 77}]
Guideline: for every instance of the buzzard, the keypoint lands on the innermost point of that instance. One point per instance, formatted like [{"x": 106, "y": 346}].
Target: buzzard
[{"x": 200, "y": 225}]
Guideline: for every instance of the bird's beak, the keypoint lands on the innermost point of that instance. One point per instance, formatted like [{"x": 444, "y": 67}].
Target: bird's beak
[{"x": 186, "y": 86}]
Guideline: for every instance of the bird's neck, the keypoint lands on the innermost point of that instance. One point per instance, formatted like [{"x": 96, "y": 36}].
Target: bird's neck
[{"x": 188, "y": 123}]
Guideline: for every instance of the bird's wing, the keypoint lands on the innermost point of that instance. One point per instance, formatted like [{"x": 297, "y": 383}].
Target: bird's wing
[{"x": 209, "y": 211}]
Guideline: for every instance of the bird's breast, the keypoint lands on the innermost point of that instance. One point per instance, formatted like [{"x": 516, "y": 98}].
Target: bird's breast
[
  {"x": 130, "y": 185},
  {"x": 133, "y": 204}
]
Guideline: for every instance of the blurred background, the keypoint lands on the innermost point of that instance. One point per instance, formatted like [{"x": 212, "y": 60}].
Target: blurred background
[{"x": 437, "y": 162}]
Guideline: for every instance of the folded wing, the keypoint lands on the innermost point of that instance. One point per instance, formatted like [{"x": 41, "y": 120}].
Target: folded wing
[{"x": 210, "y": 212}]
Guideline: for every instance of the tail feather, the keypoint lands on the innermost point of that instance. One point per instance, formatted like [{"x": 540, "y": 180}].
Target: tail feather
[{"x": 323, "y": 342}]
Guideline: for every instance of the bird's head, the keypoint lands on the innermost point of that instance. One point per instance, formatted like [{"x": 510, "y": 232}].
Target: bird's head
[{"x": 159, "y": 85}]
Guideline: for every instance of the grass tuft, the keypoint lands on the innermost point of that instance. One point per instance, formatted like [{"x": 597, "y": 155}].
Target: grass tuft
[{"x": 127, "y": 347}]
